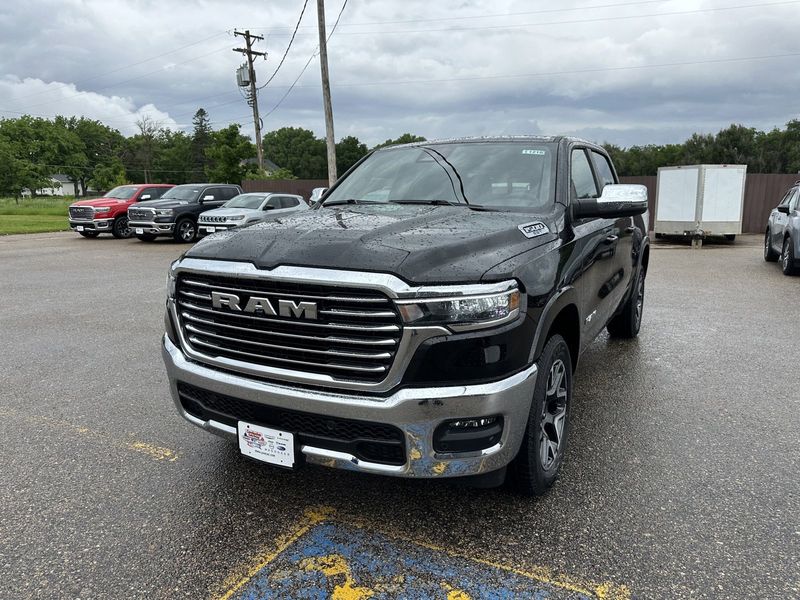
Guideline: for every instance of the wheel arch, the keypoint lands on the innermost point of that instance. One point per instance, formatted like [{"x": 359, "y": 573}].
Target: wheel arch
[{"x": 561, "y": 315}]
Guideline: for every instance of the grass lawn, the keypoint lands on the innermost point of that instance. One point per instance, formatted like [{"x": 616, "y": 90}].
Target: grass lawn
[
  {"x": 33, "y": 215},
  {"x": 32, "y": 223}
]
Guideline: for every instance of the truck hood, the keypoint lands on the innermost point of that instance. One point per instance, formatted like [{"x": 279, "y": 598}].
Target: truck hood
[
  {"x": 168, "y": 203},
  {"x": 419, "y": 243},
  {"x": 232, "y": 212},
  {"x": 98, "y": 202}
]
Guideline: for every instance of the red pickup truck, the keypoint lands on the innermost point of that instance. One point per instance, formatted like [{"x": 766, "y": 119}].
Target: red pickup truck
[{"x": 109, "y": 214}]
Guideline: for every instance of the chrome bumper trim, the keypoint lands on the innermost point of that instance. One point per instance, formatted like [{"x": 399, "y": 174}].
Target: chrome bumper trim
[
  {"x": 152, "y": 227},
  {"x": 416, "y": 411}
]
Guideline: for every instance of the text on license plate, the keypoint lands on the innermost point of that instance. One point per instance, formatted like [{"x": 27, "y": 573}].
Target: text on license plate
[{"x": 266, "y": 444}]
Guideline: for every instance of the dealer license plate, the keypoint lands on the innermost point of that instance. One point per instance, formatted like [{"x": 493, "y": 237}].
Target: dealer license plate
[
  {"x": 79, "y": 228},
  {"x": 210, "y": 229},
  {"x": 139, "y": 231},
  {"x": 266, "y": 444}
]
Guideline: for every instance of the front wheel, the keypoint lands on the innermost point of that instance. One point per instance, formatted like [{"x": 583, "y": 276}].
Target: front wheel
[
  {"x": 121, "y": 230},
  {"x": 769, "y": 254},
  {"x": 535, "y": 468},
  {"x": 627, "y": 323},
  {"x": 787, "y": 257},
  {"x": 185, "y": 231}
]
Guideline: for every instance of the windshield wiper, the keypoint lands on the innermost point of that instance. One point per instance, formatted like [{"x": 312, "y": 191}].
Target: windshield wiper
[
  {"x": 433, "y": 202},
  {"x": 350, "y": 201}
]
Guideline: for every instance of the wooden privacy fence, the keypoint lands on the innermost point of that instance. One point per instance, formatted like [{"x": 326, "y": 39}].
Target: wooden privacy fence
[
  {"x": 301, "y": 187},
  {"x": 762, "y": 193}
]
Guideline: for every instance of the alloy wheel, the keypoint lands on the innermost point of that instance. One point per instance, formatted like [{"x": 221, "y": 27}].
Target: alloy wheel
[
  {"x": 187, "y": 231},
  {"x": 554, "y": 412},
  {"x": 785, "y": 255},
  {"x": 122, "y": 228}
]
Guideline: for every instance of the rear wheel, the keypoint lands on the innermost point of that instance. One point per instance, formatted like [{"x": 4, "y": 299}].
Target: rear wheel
[
  {"x": 627, "y": 323},
  {"x": 536, "y": 466},
  {"x": 787, "y": 257},
  {"x": 121, "y": 229},
  {"x": 185, "y": 231},
  {"x": 769, "y": 254},
  {"x": 146, "y": 237},
  {"x": 89, "y": 234}
]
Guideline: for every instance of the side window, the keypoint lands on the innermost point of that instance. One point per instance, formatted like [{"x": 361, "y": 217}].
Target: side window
[
  {"x": 795, "y": 198},
  {"x": 229, "y": 192},
  {"x": 216, "y": 192},
  {"x": 289, "y": 202},
  {"x": 604, "y": 172},
  {"x": 583, "y": 182},
  {"x": 274, "y": 202},
  {"x": 154, "y": 192},
  {"x": 787, "y": 198}
]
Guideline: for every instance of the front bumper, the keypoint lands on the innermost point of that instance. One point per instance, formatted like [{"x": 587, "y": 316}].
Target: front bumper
[
  {"x": 202, "y": 228},
  {"x": 152, "y": 227},
  {"x": 98, "y": 225},
  {"x": 415, "y": 411}
]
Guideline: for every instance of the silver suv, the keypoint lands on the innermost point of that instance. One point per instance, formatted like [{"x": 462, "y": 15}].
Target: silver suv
[
  {"x": 246, "y": 209},
  {"x": 782, "y": 239}
]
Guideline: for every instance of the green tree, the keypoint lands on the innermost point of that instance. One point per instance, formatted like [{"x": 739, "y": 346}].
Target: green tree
[
  {"x": 406, "y": 138},
  {"x": 298, "y": 150},
  {"x": 173, "y": 161},
  {"x": 348, "y": 152},
  {"x": 101, "y": 146},
  {"x": 227, "y": 155},
  {"x": 281, "y": 173},
  {"x": 201, "y": 138},
  {"x": 108, "y": 174}
]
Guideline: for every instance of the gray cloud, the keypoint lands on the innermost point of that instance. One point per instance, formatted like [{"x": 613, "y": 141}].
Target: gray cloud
[{"x": 582, "y": 65}]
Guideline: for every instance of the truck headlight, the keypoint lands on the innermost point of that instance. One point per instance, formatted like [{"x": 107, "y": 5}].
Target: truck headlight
[
  {"x": 171, "y": 279},
  {"x": 164, "y": 212},
  {"x": 464, "y": 312},
  {"x": 236, "y": 218},
  {"x": 102, "y": 209}
]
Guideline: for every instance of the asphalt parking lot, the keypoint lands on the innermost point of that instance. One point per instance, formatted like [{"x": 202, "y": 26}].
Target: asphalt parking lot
[{"x": 681, "y": 479}]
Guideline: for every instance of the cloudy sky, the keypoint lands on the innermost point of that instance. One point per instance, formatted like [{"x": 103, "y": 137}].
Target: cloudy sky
[{"x": 628, "y": 72}]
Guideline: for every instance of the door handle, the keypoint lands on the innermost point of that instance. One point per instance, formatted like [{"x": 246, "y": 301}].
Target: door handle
[{"x": 610, "y": 239}]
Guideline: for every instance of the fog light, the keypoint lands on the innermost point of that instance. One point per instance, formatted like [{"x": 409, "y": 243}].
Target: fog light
[{"x": 468, "y": 434}]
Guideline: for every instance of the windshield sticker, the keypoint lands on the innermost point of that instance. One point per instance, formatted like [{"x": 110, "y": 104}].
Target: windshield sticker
[
  {"x": 534, "y": 229},
  {"x": 534, "y": 152}
]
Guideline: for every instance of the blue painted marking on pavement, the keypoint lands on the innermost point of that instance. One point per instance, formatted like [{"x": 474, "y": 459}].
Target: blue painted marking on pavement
[{"x": 344, "y": 562}]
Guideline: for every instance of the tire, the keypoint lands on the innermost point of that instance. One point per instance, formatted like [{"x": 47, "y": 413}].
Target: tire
[
  {"x": 146, "y": 237},
  {"x": 769, "y": 254},
  {"x": 730, "y": 236},
  {"x": 185, "y": 231},
  {"x": 89, "y": 234},
  {"x": 535, "y": 468},
  {"x": 626, "y": 324},
  {"x": 788, "y": 258},
  {"x": 120, "y": 229}
]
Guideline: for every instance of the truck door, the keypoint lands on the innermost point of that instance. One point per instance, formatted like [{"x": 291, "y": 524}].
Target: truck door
[
  {"x": 780, "y": 220},
  {"x": 623, "y": 260},
  {"x": 595, "y": 247}
]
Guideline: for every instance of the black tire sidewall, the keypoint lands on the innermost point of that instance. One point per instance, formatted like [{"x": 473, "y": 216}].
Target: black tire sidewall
[
  {"x": 178, "y": 237},
  {"x": 528, "y": 473},
  {"x": 116, "y": 226},
  {"x": 787, "y": 250}
]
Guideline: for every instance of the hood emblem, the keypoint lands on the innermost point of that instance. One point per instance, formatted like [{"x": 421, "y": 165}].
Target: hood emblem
[
  {"x": 533, "y": 229},
  {"x": 264, "y": 306}
]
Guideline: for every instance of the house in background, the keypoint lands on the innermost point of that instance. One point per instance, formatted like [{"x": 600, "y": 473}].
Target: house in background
[{"x": 61, "y": 186}]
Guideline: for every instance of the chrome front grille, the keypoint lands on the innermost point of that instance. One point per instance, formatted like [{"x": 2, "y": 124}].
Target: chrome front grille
[
  {"x": 355, "y": 335},
  {"x": 141, "y": 214},
  {"x": 211, "y": 219},
  {"x": 83, "y": 213}
]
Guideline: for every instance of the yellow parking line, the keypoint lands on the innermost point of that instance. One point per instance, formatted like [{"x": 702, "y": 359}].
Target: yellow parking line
[
  {"x": 159, "y": 453},
  {"x": 315, "y": 516},
  {"x": 238, "y": 579}
]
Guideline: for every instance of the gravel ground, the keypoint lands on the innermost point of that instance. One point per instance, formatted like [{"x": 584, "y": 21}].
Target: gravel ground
[{"x": 681, "y": 479}]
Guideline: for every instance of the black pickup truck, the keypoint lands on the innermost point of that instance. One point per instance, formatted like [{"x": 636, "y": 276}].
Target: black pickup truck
[
  {"x": 424, "y": 320},
  {"x": 175, "y": 213}
]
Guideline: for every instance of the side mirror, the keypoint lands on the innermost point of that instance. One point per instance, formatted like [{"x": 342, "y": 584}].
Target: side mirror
[
  {"x": 208, "y": 197},
  {"x": 269, "y": 207},
  {"x": 144, "y": 197},
  {"x": 784, "y": 208},
  {"x": 617, "y": 200}
]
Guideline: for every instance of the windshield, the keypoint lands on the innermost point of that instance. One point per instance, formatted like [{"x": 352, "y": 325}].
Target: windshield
[
  {"x": 182, "y": 192},
  {"x": 245, "y": 201},
  {"x": 122, "y": 192},
  {"x": 495, "y": 175}
]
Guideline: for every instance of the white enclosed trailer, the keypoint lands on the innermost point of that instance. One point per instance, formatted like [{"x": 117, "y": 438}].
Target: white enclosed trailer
[{"x": 700, "y": 200}]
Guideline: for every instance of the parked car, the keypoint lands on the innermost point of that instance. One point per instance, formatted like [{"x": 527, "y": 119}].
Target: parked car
[
  {"x": 109, "y": 214},
  {"x": 782, "y": 238},
  {"x": 246, "y": 209},
  {"x": 430, "y": 332},
  {"x": 175, "y": 213}
]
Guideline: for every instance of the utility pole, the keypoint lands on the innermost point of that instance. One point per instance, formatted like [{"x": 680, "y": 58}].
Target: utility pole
[
  {"x": 252, "y": 98},
  {"x": 326, "y": 92}
]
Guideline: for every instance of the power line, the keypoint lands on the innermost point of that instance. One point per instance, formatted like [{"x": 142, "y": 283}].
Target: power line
[
  {"x": 283, "y": 58},
  {"x": 572, "y": 21}
]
